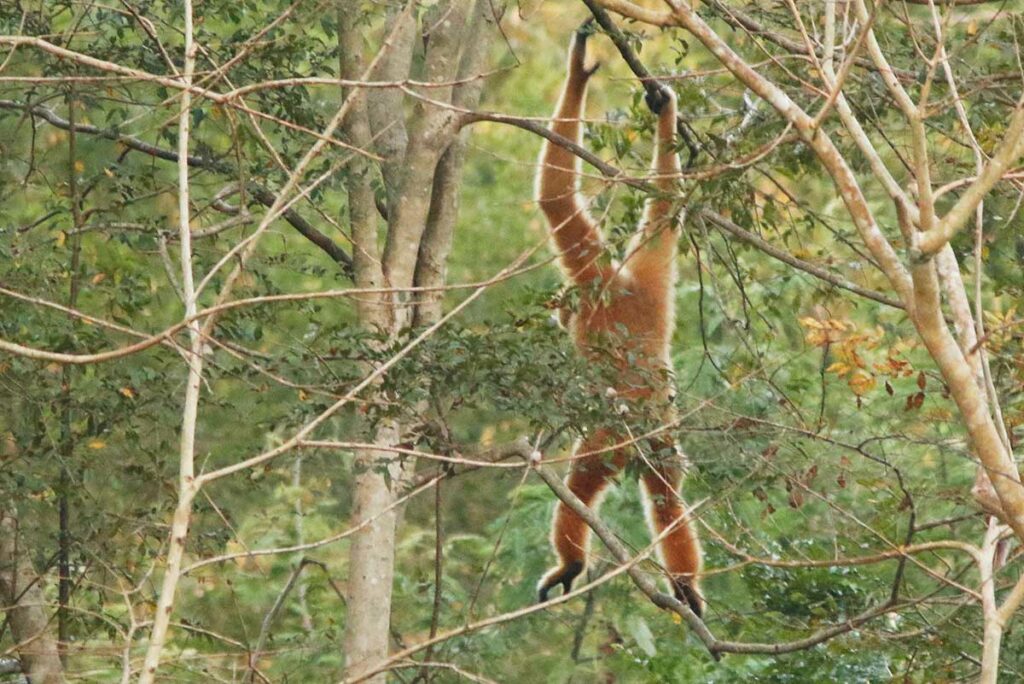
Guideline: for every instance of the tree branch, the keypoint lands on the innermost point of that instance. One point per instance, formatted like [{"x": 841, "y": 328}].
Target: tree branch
[
  {"x": 716, "y": 219},
  {"x": 259, "y": 192},
  {"x": 727, "y": 226},
  {"x": 651, "y": 84},
  {"x": 714, "y": 645}
]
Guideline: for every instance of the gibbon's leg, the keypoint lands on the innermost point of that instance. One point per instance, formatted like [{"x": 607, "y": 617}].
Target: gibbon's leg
[
  {"x": 570, "y": 535},
  {"x": 651, "y": 256},
  {"x": 574, "y": 232},
  {"x": 680, "y": 549}
]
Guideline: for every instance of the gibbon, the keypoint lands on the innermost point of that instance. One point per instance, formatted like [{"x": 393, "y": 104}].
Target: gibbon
[{"x": 624, "y": 312}]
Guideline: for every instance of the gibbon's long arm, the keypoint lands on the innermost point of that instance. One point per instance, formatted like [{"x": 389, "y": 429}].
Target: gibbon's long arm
[
  {"x": 651, "y": 257},
  {"x": 574, "y": 231}
]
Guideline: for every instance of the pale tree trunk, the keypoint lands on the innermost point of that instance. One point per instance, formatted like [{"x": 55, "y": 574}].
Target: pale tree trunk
[
  {"x": 992, "y": 636},
  {"x": 21, "y": 595},
  {"x": 420, "y": 212},
  {"x": 187, "y": 488},
  {"x": 371, "y": 554}
]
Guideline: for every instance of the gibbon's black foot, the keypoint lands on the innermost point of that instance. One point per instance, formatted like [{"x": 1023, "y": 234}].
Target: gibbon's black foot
[
  {"x": 564, "y": 576},
  {"x": 656, "y": 96},
  {"x": 685, "y": 593},
  {"x": 579, "y": 48}
]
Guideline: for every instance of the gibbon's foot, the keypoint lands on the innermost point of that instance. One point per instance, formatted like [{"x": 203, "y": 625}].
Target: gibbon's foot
[
  {"x": 579, "y": 50},
  {"x": 564, "y": 576},
  {"x": 685, "y": 593},
  {"x": 656, "y": 96}
]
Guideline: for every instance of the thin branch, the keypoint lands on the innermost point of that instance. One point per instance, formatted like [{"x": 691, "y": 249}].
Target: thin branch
[
  {"x": 268, "y": 619},
  {"x": 187, "y": 485},
  {"x": 714, "y": 645},
  {"x": 262, "y": 194},
  {"x": 727, "y": 226}
]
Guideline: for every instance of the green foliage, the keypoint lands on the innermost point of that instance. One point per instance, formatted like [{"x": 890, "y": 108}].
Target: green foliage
[{"x": 797, "y": 433}]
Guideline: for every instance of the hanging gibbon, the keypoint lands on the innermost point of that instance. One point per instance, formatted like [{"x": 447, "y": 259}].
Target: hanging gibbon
[{"x": 624, "y": 316}]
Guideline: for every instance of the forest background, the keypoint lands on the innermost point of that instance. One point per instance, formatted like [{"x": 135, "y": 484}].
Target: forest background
[{"x": 277, "y": 351}]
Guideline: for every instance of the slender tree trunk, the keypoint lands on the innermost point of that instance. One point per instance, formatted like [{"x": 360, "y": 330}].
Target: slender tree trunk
[
  {"x": 187, "y": 487},
  {"x": 67, "y": 447},
  {"x": 992, "y": 635},
  {"x": 372, "y": 557},
  {"x": 372, "y": 553},
  {"x": 21, "y": 593}
]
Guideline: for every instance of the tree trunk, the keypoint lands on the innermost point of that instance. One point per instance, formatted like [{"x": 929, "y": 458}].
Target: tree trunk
[
  {"x": 372, "y": 553},
  {"x": 372, "y": 558},
  {"x": 22, "y": 595}
]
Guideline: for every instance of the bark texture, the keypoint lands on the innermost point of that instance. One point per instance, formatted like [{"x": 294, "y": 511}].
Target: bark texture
[{"x": 21, "y": 594}]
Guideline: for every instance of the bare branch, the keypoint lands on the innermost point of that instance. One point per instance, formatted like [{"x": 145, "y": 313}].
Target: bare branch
[
  {"x": 187, "y": 486},
  {"x": 263, "y": 195},
  {"x": 727, "y": 226}
]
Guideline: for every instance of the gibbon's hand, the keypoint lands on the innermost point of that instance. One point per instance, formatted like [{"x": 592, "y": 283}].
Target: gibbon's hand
[
  {"x": 657, "y": 96},
  {"x": 578, "y": 53}
]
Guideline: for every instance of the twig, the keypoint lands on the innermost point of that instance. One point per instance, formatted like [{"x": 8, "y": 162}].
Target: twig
[
  {"x": 268, "y": 619},
  {"x": 263, "y": 195},
  {"x": 727, "y": 226}
]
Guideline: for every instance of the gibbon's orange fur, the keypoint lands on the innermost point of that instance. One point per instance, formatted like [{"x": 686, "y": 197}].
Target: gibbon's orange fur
[{"x": 632, "y": 304}]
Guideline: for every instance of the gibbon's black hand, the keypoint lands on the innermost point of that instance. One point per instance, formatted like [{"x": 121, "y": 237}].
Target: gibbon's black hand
[{"x": 656, "y": 97}]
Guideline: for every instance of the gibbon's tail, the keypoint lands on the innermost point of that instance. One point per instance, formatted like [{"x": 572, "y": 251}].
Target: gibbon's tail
[{"x": 573, "y": 230}]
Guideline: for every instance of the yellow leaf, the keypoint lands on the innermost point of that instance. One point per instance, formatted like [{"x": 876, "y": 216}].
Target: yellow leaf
[
  {"x": 79, "y": 166},
  {"x": 839, "y": 368},
  {"x": 98, "y": 278},
  {"x": 816, "y": 338},
  {"x": 303, "y": 395},
  {"x": 972, "y": 27},
  {"x": 62, "y": 238},
  {"x": 487, "y": 435},
  {"x": 96, "y": 444},
  {"x": 127, "y": 392},
  {"x": 861, "y": 382}
]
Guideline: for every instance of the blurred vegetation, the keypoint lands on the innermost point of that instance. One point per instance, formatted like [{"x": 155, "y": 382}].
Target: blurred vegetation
[{"x": 801, "y": 403}]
